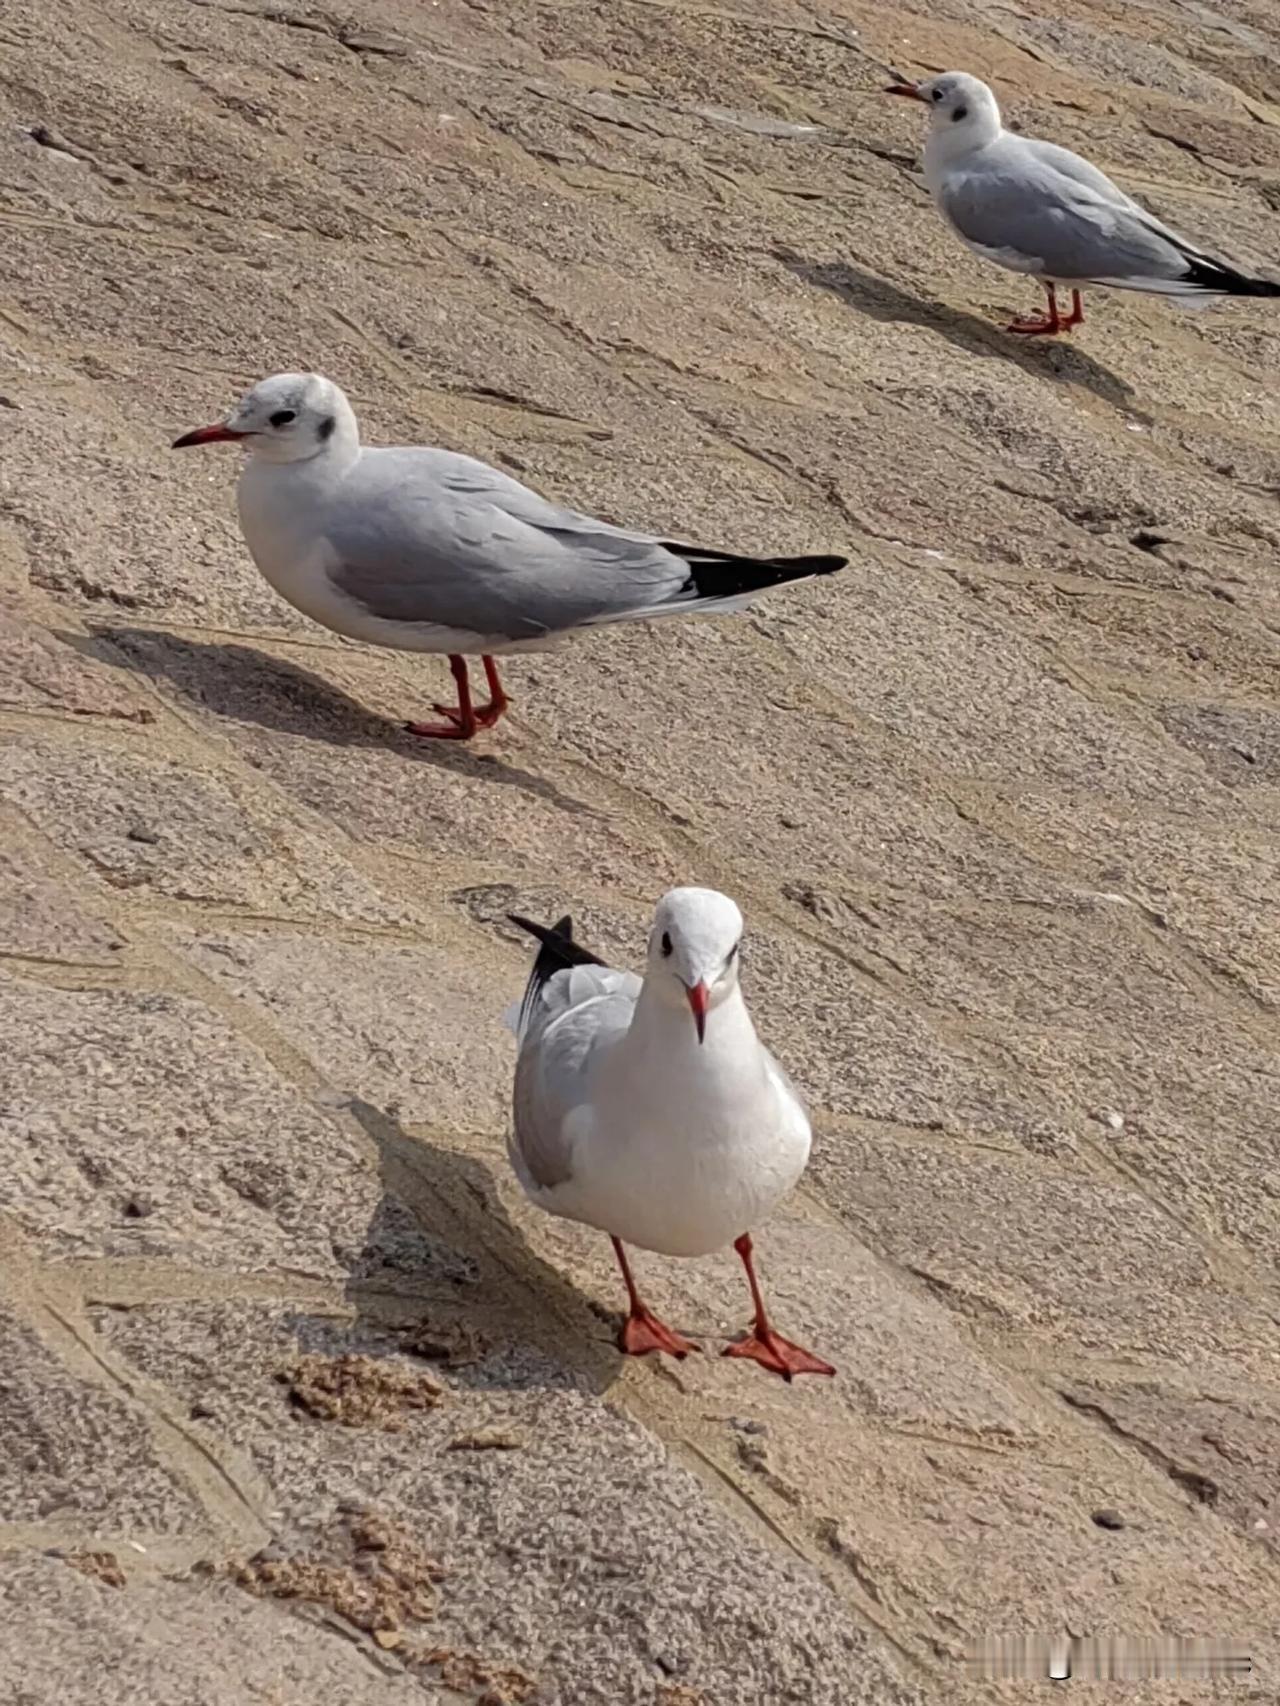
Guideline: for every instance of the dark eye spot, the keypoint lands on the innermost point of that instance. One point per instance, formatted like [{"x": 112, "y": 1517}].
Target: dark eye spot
[
  {"x": 325, "y": 429},
  {"x": 937, "y": 94},
  {"x": 282, "y": 417},
  {"x": 666, "y": 944},
  {"x": 732, "y": 955},
  {"x": 958, "y": 114}
]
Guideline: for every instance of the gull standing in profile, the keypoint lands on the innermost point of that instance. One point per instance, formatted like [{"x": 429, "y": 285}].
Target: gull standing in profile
[
  {"x": 649, "y": 1108},
  {"x": 430, "y": 551},
  {"x": 1039, "y": 209}
]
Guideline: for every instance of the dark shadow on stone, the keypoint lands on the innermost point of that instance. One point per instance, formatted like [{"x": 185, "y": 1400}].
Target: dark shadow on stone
[
  {"x": 1047, "y": 358},
  {"x": 442, "y": 1257},
  {"x": 248, "y": 686}
]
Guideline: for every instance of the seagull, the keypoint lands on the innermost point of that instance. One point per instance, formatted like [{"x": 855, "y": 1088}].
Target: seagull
[
  {"x": 649, "y": 1109},
  {"x": 1039, "y": 209},
  {"x": 431, "y": 551}
]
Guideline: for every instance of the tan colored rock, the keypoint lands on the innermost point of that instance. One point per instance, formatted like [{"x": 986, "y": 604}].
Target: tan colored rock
[
  {"x": 410, "y": 1027},
  {"x": 136, "y": 1124},
  {"x": 151, "y": 823},
  {"x": 83, "y": 1461},
  {"x": 38, "y": 918},
  {"x": 41, "y": 672},
  {"x": 184, "y": 1643},
  {"x": 999, "y": 801}
]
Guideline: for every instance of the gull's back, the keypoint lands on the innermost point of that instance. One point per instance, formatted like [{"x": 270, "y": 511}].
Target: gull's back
[{"x": 1054, "y": 159}]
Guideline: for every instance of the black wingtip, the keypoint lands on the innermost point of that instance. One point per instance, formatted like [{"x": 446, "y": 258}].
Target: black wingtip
[
  {"x": 558, "y": 946},
  {"x": 562, "y": 929},
  {"x": 558, "y": 952},
  {"x": 720, "y": 574},
  {"x": 1219, "y": 278}
]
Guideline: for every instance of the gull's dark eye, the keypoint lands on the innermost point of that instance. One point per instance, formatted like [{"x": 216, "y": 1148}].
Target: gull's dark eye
[
  {"x": 958, "y": 114},
  {"x": 282, "y": 417},
  {"x": 937, "y": 94},
  {"x": 666, "y": 944}
]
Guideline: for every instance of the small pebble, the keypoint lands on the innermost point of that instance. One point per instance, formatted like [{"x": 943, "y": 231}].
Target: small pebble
[
  {"x": 1109, "y": 1518},
  {"x": 373, "y": 41},
  {"x": 487, "y": 1439}
]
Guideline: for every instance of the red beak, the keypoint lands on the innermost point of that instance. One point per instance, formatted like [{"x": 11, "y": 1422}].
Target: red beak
[
  {"x": 699, "y": 995},
  {"x": 207, "y": 435},
  {"x": 907, "y": 89}
]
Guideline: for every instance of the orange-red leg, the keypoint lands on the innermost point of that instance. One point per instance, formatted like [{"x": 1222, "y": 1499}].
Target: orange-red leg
[
  {"x": 465, "y": 718},
  {"x": 1076, "y": 316},
  {"x": 762, "y": 1344},
  {"x": 1047, "y": 324},
  {"x": 642, "y": 1331},
  {"x": 463, "y": 722},
  {"x": 487, "y": 715}
]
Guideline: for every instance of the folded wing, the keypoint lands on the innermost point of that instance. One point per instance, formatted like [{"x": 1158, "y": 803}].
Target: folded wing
[
  {"x": 574, "y": 1009},
  {"x": 427, "y": 536},
  {"x": 1059, "y": 227}
]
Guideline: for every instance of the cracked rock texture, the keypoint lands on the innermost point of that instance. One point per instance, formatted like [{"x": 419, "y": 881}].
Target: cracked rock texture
[{"x": 300, "y": 1401}]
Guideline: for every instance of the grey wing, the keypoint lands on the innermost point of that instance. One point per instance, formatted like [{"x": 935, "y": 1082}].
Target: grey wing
[
  {"x": 581, "y": 1014},
  {"x": 1077, "y": 168},
  {"x": 428, "y": 536},
  {"x": 1084, "y": 172},
  {"x": 1060, "y": 228}
]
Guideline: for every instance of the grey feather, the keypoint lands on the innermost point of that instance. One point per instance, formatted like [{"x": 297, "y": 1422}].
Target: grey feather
[
  {"x": 1061, "y": 226},
  {"x": 1074, "y": 166},
  {"x": 433, "y": 537},
  {"x": 577, "y": 1013}
]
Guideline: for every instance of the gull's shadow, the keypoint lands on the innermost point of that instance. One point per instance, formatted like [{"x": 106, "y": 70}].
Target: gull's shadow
[
  {"x": 1047, "y": 358},
  {"x": 248, "y": 686},
  {"x": 441, "y": 1254}
]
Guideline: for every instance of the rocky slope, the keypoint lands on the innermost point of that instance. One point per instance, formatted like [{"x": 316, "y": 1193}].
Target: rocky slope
[{"x": 300, "y": 1401}]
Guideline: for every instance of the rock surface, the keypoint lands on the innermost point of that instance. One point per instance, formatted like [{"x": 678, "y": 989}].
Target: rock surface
[{"x": 300, "y": 1400}]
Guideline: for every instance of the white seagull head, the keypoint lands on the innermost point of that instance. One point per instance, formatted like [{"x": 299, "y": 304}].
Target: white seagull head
[
  {"x": 693, "y": 950},
  {"x": 963, "y": 113},
  {"x": 290, "y": 417}
]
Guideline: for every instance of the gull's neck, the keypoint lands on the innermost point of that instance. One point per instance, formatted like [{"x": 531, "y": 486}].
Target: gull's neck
[
  {"x": 951, "y": 145},
  {"x": 266, "y": 484},
  {"x": 662, "y": 1041}
]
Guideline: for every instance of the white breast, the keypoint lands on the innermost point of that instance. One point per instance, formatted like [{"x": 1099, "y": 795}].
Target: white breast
[
  {"x": 678, "y": 1183},
  {"x": 277, "y": 506}
]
